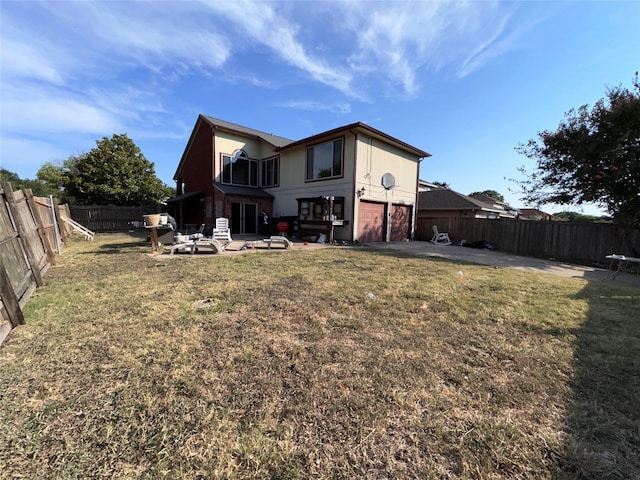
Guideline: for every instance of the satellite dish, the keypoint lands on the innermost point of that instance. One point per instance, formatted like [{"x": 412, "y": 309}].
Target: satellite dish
[{"x": 388, "y": 181}]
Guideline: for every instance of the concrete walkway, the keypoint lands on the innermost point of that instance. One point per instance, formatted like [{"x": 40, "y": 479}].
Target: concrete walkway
[{"x": 507, "y": 260}]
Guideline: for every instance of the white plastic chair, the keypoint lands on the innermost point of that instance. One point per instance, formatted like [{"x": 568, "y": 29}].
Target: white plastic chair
[
  {"x": 222, "y": 232},
  {"x": 440, "y": 238}
]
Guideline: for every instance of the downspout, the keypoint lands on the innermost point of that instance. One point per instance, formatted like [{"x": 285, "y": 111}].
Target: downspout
[
  {"x": 353, "y": 186},
  {"x": 213, "y": 175},
  {"x": 415, "y": 208}
]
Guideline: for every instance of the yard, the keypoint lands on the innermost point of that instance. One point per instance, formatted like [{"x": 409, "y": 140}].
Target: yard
[{"x": 328, "y": 363}]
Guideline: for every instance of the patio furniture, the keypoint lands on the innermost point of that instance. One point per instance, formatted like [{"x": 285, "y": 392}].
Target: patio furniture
[
  {"x": 275, "y": 239},
  {"x": 197, "y": 245},
  {"x": 624, "y": 263},
  {"x": 221, "y": 232},
  {"x": 440, "y": 238},
  {"x": 199, "y": 242}
]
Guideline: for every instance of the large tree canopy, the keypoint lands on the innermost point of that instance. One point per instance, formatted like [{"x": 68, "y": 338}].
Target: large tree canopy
[
  {"x": 115, "y": 172},
  {"x": 593, "y": 157},
  {"x": 490, "y": 193}
]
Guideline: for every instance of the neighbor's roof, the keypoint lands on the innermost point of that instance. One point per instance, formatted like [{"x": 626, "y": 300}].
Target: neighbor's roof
[
  {"x": 531, "y": 211},
  {"x": 362, "y": 127},
  {"x": 445, "y": 199}
]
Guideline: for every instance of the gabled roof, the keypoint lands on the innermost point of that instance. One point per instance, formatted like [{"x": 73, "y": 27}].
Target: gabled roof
[
  {"x": 445, "y": 199},
  {"x": 362, "y": 127},
  {"x": 491, "y": 201},
  {"x": 531, "y": 211},
  {"x": 282, "y": 143},
  {"x": 216, "y": 123},
  {"x": 274, "y": 140},
  {"x": 483, "y": 197}
]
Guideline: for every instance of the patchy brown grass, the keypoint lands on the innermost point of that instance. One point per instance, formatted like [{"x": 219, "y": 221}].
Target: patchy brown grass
[{"x": 290, "y": 370}]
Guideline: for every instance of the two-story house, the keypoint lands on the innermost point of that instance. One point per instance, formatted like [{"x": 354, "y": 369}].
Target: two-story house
[{"x": 352, "y": 183}]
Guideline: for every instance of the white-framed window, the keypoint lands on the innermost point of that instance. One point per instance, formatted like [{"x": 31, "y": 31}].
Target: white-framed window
[
  {"x": 239, "y": 169},
  {"x": 270, "y": 172},
  {"x": 325, "y": 160}
]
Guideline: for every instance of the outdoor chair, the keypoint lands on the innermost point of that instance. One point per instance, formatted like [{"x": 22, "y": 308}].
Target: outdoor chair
[
  {"x": 221, "y": 232},
  {"x": 440, "y": 238},
  {"x": 207, "y": 239}
]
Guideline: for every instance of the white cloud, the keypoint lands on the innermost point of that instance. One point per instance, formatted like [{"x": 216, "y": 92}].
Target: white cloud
[
  {"x": 22, "y": 61},
  {"x": 403, "y": 41},
  {"x": 95, "y": 68},
  {"x": 264, "y": 25},
  {"x": 33, "y": 109}
]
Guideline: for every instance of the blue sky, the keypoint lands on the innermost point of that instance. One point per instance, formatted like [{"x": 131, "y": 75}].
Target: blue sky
[{"x": 465, "y": 81}]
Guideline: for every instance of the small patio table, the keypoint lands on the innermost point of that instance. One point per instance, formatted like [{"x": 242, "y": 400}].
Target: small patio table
[{"x": 621, "y": 263}]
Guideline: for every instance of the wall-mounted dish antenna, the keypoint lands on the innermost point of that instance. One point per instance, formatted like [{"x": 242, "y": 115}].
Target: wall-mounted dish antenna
[{"x": 388, "y": 181}]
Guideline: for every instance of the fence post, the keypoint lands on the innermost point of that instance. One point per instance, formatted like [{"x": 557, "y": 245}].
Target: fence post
[
  {"x": 51, "y": 257},
  {"x": 9, "y": 299},
  {"x": 22, "y": 233}
]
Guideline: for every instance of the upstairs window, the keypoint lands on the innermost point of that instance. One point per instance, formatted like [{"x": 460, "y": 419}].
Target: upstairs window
[
  {"x": 239, "y": 169},
  {"x": 325, "y": 160},
  {"x": 270, "y": 172}
]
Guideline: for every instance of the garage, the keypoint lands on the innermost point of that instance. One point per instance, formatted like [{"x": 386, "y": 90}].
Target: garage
[
  {"x": 400, "y": 222},
  {"x": 371, "y": 224}
]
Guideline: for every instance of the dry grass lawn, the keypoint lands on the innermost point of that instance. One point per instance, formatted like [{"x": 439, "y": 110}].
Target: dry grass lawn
[{"x": 280, "y": 365}]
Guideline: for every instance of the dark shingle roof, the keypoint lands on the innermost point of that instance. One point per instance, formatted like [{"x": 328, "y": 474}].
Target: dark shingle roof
[
  {"x": 445, "y": 199},
  {"x": 267, "y": 137},
  {"x": 237, "y": 190},
  {"x": 365, "y": 128}
]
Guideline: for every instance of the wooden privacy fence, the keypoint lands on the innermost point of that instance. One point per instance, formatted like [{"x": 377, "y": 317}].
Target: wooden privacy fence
[
  {"x": 30, "y": 234},
  {"x": 580, "y": 242},
  {"x": 110, "y": 218}
]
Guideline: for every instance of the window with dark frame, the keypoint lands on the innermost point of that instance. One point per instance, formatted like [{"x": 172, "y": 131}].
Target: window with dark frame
[
  {"x": 239, "y": 169},
  {"x": 316, "y": 208},
  {"x": 270, "y": 172},
  {"x": 324, "y": 160}
]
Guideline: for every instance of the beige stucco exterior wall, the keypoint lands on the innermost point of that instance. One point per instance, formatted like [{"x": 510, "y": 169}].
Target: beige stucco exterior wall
[
  {"x": 226, "y": 143},
  {"x": 375, "y": 158},
  {"x": 293, "y": 184}
]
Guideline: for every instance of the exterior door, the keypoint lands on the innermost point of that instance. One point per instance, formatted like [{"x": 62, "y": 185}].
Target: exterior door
[
  {"x": 244, "y": 218},
  {"x": 371, "y": 222},
  {"x": 400, "y": 222}
]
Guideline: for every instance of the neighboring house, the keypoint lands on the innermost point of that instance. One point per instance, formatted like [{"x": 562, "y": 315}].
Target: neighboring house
[
  {"x": 532, "y": 214},
  {"x": 350, "y": 183},
  {"x": 424, "y": 186},
  {"x": 507, "y": 211},
  {"x": 443, "y": 202}
]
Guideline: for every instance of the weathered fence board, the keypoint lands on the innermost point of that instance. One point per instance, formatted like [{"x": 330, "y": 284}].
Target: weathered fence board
[
  {"x": 580, "y": 242},
  {"x": 26, "y": 228}
]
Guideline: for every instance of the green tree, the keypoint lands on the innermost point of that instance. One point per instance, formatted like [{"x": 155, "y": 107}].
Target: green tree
[
  {"x": 18, "y": 183},
  {"x": 592, "y": 157},
  {"x": 575, "y": 217},
  {"x": 115, "y": 172},
  {"x": 491, "y": 193},
  {"x": 51, "y": 180}
]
